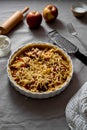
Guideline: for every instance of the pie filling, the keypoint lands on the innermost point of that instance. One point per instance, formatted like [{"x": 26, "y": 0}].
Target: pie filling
[{"x": 40, "y": 69}]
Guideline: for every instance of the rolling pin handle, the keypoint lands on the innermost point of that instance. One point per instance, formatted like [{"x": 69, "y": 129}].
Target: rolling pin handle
[{"x": 25, "y": 9}]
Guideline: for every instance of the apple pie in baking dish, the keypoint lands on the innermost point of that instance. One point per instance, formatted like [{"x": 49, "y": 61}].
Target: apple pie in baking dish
[{"x": 40, "y": 68}]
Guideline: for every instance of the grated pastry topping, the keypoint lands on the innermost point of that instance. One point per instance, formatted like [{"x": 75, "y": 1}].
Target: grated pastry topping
[{"x": 40, "y": 69}]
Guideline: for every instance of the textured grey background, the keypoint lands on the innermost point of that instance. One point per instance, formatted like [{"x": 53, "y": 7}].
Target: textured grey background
[{"x": 18, "y": 112}]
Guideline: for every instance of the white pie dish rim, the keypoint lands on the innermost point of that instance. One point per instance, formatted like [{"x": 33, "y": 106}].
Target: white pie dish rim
[{"x": 34, "y": 94}]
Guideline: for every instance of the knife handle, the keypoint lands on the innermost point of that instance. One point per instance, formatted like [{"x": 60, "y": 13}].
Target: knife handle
[{"x": 81, "y": 57}]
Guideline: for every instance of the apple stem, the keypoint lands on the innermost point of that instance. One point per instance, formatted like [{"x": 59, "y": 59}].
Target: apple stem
[
  {"x": 0, "y": 32},
  {"x": 25, "y": 9}
]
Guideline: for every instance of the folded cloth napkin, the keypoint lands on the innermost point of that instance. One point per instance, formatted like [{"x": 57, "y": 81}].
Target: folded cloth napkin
[{"x": 76, "y": 110}]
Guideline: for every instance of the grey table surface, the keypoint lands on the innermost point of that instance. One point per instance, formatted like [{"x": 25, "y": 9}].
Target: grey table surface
[{"x": 18, "y": 112}]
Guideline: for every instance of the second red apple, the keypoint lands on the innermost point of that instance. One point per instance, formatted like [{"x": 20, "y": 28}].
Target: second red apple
[{"x": 50, "y": 13}]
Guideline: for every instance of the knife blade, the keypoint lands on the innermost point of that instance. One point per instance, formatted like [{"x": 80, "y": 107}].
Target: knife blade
[{"x": 66, "y": 45}]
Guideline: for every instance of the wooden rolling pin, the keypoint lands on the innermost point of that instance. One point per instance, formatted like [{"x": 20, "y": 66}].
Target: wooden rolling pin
[{"x": 9, "y": 24}]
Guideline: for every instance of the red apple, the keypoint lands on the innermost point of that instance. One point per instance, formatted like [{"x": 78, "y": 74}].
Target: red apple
[
  {"x": 50, "y": 13},
  {"x": 34, "y": 19}
]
